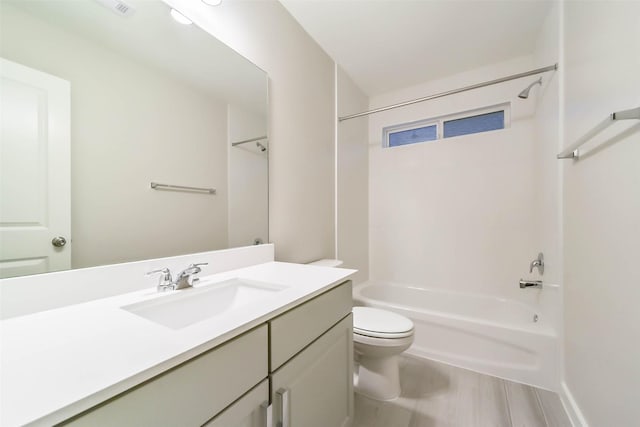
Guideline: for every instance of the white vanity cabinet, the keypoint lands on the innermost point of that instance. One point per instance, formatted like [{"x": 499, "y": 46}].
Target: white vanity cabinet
[
  {"x": 189, "y": 394},
  {"x": 300, "y": 362},
  {"x": 313, "y": 387}
]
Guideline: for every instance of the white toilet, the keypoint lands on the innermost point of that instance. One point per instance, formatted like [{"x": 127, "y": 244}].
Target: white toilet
[{"x": 379, "y": 336}]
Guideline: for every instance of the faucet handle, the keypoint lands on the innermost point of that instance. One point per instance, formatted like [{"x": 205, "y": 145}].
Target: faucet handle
[
  {"x": 165, "y": 272},
  {"x": 192, "y": 269},
  {"x": 164, "y": 281},
  {"x": 197, "y": 266},
  {"x": 185, "y": 279}
]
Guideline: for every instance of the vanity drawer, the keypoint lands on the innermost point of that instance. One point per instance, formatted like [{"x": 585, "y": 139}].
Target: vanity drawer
[
  {"x": 192, "y": 393},
  {"x": 299, "y": 327},
  {"x": 248, "y": 411}
]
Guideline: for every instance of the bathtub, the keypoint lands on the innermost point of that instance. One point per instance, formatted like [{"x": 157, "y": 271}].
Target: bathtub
[{"x": 494, "y": 336}]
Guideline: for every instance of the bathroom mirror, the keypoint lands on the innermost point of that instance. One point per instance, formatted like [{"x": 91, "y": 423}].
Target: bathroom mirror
[{"x": 102, "y": 98}]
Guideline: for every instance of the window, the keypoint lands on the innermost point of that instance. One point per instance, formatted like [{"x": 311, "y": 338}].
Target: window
[
  {"x": 474, "y": 124},
  {"x": 411, "y": 136},
  {"x": 466, "y": 123}
]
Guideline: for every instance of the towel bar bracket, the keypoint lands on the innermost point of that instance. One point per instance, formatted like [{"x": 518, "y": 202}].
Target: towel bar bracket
[
  {"x": 575, "y": 154},
  {"x": 634, "y": 113}
]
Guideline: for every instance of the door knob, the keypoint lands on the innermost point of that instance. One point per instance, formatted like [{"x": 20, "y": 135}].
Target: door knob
[{"x": 59, "y": 241}]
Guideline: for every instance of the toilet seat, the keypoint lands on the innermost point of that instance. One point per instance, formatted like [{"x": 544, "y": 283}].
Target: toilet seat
[{"x": 376, "y": 323}]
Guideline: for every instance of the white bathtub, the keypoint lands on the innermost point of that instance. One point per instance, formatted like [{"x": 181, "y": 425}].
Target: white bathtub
[{"x": 485, "y": 334}]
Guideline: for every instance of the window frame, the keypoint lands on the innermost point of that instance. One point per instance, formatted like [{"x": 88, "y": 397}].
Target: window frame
[{"x": 439, "y": 123}]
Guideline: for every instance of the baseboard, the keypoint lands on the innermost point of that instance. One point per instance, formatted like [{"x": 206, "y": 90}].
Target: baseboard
[{"x": 571, "y": 407}]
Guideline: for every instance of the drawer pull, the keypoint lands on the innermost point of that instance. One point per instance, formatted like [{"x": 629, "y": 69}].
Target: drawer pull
[{"x": 283, "y": 395}]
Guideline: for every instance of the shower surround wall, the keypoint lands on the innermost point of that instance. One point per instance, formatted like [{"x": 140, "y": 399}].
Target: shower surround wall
[
  {"x": 459, "y": 213},
  {"x": 548, "y": 171}
]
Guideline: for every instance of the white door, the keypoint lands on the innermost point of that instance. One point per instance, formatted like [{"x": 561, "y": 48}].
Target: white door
[{"x": 34, "y": 171}]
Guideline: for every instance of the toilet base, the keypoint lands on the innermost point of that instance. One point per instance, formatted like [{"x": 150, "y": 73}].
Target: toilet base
[{"x": 378, "y": 378}]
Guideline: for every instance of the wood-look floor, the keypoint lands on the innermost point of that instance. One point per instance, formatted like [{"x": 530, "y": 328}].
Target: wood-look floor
[{"x": 439, "y": 395}]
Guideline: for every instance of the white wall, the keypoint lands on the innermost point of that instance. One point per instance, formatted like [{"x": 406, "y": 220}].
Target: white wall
[
  {"x": 602, "y": 212},
  {"x": 458, "y": 213},
  {"x": 248, "y": 178},
  {"x": 301, "y": 122},
  {"x": 352, "y": 179},
  {"x": 111, "y": 142}
]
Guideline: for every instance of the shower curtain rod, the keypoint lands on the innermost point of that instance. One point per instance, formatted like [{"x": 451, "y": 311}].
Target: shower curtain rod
[
  {"x": 451, "y": 92},
  {"x": 260, "y": 138}
]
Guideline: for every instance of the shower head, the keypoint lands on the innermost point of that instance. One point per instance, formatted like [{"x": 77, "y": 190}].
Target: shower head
[
  {"x": 261, "y": 147},
  {"x": 525, "y": 93}
]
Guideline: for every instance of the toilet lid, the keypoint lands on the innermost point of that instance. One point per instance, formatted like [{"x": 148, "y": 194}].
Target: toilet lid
[{"x": 378, "y": 323}]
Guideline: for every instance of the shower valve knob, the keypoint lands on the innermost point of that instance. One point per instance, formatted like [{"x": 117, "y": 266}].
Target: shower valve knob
[{"x": 537, "y": 263}]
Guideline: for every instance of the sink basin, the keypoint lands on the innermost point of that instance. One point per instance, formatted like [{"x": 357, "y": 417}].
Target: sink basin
[{"x": 189, "y": 306}]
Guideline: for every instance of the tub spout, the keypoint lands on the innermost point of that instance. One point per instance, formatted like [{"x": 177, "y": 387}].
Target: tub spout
[{"x": 530, "y": 284}]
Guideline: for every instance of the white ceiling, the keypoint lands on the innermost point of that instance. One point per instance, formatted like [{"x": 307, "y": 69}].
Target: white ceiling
[{"x": 387, "y": 45}]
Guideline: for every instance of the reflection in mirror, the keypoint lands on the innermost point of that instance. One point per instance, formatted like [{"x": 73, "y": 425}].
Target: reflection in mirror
[{"x": 99, "y": 103}]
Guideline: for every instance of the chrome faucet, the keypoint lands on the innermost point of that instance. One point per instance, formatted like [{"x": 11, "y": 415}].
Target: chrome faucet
[
  {"x": 530, "y": 284},
  {"x": 184, "y": 280}
]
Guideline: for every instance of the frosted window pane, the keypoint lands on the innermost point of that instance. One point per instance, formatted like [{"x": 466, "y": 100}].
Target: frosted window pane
[
  {"x": 474, "y": 124},
  {"x": 411, "y": 136}
]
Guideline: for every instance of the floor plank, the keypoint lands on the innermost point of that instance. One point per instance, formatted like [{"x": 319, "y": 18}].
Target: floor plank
[
  {"x": 524, "y": 408},
  {"x": 552, "y": 408},
  {"x": 494, "y": 407},
  {"x": 439, "y": 395},
  {"x": 372, "y": 413}
]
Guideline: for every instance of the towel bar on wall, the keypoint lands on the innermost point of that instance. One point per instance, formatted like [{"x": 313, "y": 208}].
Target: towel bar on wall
[
  {"x": 571, "y": 152},
  {"x": 157, "y": 186},
  {"x": 260, "y": 138}
]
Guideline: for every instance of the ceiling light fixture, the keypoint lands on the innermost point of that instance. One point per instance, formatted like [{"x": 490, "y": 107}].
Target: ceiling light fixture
[
  {"x": 180, "y": 17},
  {"x": 212, "y": 2}
]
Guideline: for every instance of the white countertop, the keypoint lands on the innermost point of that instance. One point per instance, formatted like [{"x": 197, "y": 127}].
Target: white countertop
[{"x": 58, "y": 363}]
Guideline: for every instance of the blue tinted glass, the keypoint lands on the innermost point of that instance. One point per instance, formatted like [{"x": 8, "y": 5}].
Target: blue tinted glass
[
  {"x": 474, "y": 124},
  {"x": 411, "y": 136}
]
